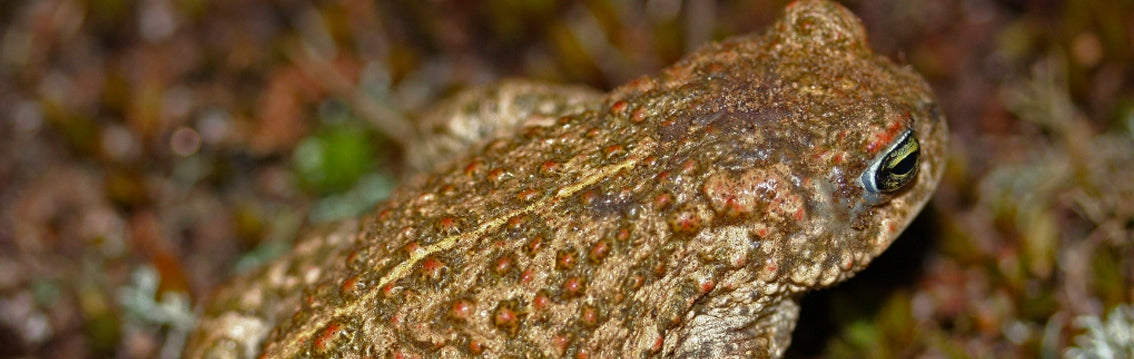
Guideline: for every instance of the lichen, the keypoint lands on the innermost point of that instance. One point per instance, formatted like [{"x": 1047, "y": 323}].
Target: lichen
[{"x": 1113, "y": 338}]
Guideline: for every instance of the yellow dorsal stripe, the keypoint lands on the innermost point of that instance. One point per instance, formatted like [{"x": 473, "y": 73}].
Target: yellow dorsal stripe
[{"x": 400, "y": 271}]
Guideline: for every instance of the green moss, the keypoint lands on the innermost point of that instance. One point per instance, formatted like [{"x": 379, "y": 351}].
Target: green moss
[
  {"x": 335, "y": 157},
  {"x": 885, "y": 335}
]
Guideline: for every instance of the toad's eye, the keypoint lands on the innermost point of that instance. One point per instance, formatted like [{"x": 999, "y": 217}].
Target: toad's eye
[{"x": 895, "y": 167}]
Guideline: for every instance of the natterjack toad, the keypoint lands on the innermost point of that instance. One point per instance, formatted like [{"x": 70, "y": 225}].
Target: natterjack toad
[{"x": 679, "y": 215}]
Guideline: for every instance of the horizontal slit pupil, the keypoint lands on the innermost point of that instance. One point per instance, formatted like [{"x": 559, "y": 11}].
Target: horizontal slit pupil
[{"x": 906, "y": 164}]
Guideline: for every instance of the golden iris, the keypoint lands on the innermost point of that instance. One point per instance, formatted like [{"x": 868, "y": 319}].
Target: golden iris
[{"x": 896, "y": 167}]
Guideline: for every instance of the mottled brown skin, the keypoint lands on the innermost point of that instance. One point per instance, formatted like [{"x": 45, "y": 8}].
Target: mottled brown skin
[
  {"x": 679, "y": 217},
  {"x": 455, "y": 127}
]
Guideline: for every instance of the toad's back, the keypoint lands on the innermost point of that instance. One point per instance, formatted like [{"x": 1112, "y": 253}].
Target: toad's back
[{"x": 678, "y": 217}]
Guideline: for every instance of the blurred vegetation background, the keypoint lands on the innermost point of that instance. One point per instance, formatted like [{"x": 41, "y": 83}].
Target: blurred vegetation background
[{"x": 151, "y": 149}]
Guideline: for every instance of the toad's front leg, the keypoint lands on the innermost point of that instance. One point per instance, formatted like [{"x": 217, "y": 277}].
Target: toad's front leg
[{"x": 761, "y": 329}]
